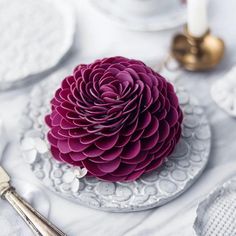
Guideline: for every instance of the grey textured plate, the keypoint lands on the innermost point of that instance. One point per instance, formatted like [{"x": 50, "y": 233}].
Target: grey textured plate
[{"x": 174, "y": 177}]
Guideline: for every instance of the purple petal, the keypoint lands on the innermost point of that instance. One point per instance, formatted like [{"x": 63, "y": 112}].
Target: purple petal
[
  {"x": 97, "y": 160},
  {"x": 77, "y": 156},
  {"x": 56, "y": 120},
  {"x": 92, "y": 168},
  {"x": 56, "y": 153},
  {"x": 124, "y": 170},
  {"x": 125, "y": 76},
  {"x": 131, "y": 150},
  {"x": 139, "y": 158},
  {"x": 76, "y": 146},
  {"x": 48, "y": 120},
  {"x": 161, "y": 153},
  {"x": 112, "y": 154},
  {"x": 129, "y": 130},
  {"x": 66, "y": 158},
  {"x": 152, "y": 127},
  {"x": 146, "y": 79},
  {"x": 52, "y": 140},
  {"x": 77, "y": 133},
  {"x": 63, "y": 146},
  {"x": 144, "y": 120},
  {"x": 135, "y": 175},
  {"x": 164, "y": 130},
  {"x": 64, "y": 94},
  {"x": 107, "y": 143},
  {"x": 172, "y": 116},
  {"x": 137, "y": 135},
  {"x": 89, "y": 139},
  {"x": 122, "y": 141},
  {"x": 55, "y": 133},
  {"x": 110, "y": 166},
  {"x": 66, "y": 124},
  {"x": 150, "y": 142},
  {"x": 144, "y": 164},
  {"x": 154, "y": 165},
  {"x": 93, "y": 151},
  {"x": 173, "y": 99}
]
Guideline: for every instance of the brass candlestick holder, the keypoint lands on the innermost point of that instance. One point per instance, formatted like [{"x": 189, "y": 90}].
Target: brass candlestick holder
[{"x": 197, "y": 53}]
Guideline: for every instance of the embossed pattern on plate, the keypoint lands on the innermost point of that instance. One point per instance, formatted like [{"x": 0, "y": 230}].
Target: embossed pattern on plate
[{"x": 178, "y": 172}]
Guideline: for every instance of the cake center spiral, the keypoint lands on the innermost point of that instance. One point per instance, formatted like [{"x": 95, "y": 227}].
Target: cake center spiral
[{"x": 116, "y": 117}]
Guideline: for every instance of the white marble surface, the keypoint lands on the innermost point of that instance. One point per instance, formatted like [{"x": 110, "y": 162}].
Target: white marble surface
[{"x": 97, "y": 37}]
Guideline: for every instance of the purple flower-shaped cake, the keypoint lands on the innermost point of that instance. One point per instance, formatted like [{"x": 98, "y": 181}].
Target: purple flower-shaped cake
[{"x": 116, "y": 117}]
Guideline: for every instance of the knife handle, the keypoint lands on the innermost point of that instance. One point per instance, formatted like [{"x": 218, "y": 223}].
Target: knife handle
[{"x": 38, "y": 224}]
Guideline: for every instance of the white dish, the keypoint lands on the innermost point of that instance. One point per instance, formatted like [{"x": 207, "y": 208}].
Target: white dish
[
  {"x": 35, "y": 36},
  {"x": 174, "y": 177},
  {"x": 152, "y": 15}
]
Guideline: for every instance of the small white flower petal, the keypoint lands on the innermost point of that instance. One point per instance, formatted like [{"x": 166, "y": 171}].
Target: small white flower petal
[
  {"x": 84, "y": 172},
  {"x": 75, "y": 185},
  {"x": 68, "y": 177},
  {"x": 40, "y": 145},
  {"x": 26, "y": 144},
  {"x": 80, "y": 173},
  {"x": 30, "y": 156}
]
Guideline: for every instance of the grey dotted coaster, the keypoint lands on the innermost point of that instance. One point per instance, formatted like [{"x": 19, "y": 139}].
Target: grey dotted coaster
[
  {"x": 216, "y": 215},
  {"x": 174, "y": 177},
  {"x": 35, "y": 35}
]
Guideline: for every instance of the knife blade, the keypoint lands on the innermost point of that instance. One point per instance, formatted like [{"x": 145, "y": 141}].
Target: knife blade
[{"x": 4, "y": 181}]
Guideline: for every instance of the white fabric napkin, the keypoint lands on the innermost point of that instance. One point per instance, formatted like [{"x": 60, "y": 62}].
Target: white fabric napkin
[
  {"x": 10, "y": 222},
  {"x": 3, "y": 138}
]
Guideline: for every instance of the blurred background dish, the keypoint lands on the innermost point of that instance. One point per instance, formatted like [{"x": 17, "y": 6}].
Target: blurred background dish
[
  {"x": 35, "y": 36},
  {"x": 144, "y": 15}
]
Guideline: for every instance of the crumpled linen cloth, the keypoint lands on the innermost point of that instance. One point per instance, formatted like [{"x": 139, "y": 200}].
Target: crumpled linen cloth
[
  {"x": 11, "y": 223},
  {"x": 3, "y": 138}
]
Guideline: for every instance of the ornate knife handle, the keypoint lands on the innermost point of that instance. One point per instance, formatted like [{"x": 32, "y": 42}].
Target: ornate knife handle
[{"x": 38, "y": 224}]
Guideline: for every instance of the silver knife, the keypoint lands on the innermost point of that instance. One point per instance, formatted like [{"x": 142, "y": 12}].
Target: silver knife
[{"x": 38, "y": 224}]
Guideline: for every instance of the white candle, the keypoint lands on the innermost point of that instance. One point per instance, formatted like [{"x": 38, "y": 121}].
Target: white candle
[{"x": 197, "y": 17}]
